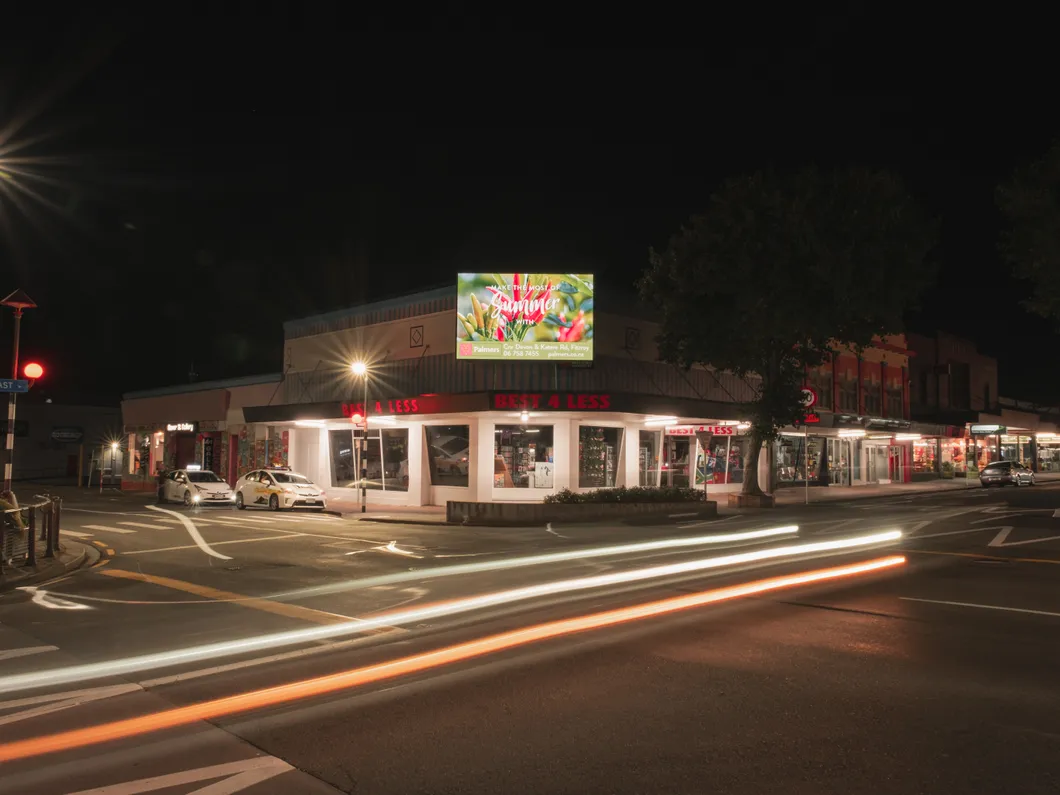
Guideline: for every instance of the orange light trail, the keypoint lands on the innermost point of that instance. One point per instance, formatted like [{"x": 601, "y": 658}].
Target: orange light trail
[{"x": 355, "y": 677}]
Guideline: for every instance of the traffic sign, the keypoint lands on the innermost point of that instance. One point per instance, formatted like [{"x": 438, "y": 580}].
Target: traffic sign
[
  {"x": 9, "y": 385},
  {"x": 809, "y": 397}
]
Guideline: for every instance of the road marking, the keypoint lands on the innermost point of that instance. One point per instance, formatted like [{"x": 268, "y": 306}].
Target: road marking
[
  {"x": 11, "y": 654},
  {"x": 264, "y": 605},
  {"x": 983, "y": 607},
  {"x": 56, "y": 702},
  {"x": 45, "y": 599},
  {"x": 193, "y": 532},
  {"x": 75, "y": 534},
  {"x": 215, "y": 543},
  {"x": 1056, "y": 513},
  {"x": 1000, "y": 540},
  {"x": 393, "y": 547},
  {"x": 237, "y": 776},
  {"x": 146, "y": 526},
  {"x": 983, "y": 557},
  {"x": 548, "y": 529},
  {"x": 106, "y": 529}
]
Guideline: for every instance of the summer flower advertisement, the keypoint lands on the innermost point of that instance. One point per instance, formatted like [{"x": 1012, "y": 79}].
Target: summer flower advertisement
[{"x": 543, "y": 316}]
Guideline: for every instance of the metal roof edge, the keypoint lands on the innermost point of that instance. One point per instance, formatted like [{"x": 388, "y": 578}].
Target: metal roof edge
[
  {"x": 204, "y": 386},
  {"x": 374, "y": 306}
]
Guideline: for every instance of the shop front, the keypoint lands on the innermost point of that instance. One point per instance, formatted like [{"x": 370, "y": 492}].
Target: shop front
[{"x": 495, "y": 446}]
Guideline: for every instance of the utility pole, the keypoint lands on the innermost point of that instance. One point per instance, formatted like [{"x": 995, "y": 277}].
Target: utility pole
[{"x": 18, "y": 301}]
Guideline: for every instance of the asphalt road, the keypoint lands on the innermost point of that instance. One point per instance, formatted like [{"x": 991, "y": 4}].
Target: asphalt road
[{"x": 934, "y": 677}]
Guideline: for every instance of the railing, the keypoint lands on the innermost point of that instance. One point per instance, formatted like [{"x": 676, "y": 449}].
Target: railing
[{"x": 25, "y": 528}]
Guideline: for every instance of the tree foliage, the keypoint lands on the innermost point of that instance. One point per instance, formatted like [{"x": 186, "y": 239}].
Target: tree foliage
[
  {"x": 1030, "y": 203},
  {"x": 782, "y": 268}
]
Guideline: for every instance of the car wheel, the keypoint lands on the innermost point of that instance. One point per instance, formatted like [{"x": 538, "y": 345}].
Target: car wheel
[
  {"x": 187, "y": 499},
  {"x": 274, "y": 503},
  {"x": 239, "y": 501}
]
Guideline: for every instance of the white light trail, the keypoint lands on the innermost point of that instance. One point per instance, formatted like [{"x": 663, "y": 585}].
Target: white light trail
[{"x": 82, "y": 673}]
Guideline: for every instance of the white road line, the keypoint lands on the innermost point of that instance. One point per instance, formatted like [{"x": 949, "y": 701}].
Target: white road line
[
  {"x": 393, "y": 547},
  {"x": 1001, "y": 539},
  {"x": 548, "y": 529},
  {"x": 11, "y": 654},
  {"x": 215, "y": 543},
  {"x": 106, "y": 529},
  {"x": 196, "y": 536},
  {"x": 56, "y": 702},
  {"x": 146, "y": 526},
  {"x": 237, "y": 776},
  {"x": 1056, "y": 513},
  {"x": 982, "y": 607},
  {"x": 75, "y": 534}
]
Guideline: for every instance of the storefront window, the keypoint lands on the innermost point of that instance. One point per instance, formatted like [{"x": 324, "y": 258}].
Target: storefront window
[
  {"x": 1048, "y": 456},
  {"x": 449, "y": 454},
  {"x": 924, "y": 456},
  {"x": 599, "y": 452},
  {"x": 387, "y": 459},
  {"x": 723, "y": 462},
  {"x": 985, "y": 451},
  {"x": 523, "y": 457},
  {"x": 791, "y": 458},
  {"x": 953, "y": 452},
  {"x": 648, "y": 458}
]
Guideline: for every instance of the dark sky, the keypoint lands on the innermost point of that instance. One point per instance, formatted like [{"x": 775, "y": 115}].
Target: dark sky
[{"x": 202, "y": 180}]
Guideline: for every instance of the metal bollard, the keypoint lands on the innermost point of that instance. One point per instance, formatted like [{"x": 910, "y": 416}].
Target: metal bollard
[
  {"x": 46, "y": 531},
  {"x": 57, "y": 506},
  {"x": 31, "y": 553}
]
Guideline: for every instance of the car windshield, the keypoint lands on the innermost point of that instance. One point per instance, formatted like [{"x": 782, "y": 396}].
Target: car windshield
[
  {"x": 290, "y": 477},
  {"x": 203, "y": 477}
]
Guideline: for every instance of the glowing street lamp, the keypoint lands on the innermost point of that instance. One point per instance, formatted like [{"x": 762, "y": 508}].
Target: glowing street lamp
[
  {"x": 18, "y": 301},
  {"x": 360, "y": 369}
]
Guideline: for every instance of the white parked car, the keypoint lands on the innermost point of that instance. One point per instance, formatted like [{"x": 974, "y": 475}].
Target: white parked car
[
  {"x": 278, "y": 488},
  {"x": 195, "y": 487}
]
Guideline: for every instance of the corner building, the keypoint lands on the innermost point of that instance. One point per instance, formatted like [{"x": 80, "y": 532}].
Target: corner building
[{"x": 442, "y": 428}]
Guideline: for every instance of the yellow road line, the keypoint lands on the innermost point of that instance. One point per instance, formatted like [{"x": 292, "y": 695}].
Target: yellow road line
[
  {"x": 982, "y": 557},
  {"x": 264, "y": 605}
]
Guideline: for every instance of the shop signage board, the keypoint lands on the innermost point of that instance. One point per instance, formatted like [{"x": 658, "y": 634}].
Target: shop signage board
[
  {"x": 988, "y": 430},
  {"x": 697, "y": 430},
  {"x": 182, "y": 427},
  {"x": 552, "y": 401},
  {"x": 207, "y": 453},
  {"x": 533, "y": 317},
  {"x": 68, "y": 435}
]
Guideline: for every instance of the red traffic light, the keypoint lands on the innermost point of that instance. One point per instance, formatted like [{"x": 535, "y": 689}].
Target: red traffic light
[{"x": 33, "y": 371}]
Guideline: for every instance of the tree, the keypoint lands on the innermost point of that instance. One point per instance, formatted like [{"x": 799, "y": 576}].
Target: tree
[
  {"x": 778, "y": 272},
  {"x": 1030, "y": 204}
]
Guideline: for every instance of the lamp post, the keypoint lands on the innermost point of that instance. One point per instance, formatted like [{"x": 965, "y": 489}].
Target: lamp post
[
  {"x": 18, "y": 301},
  {"x": 361, "y": 369}
]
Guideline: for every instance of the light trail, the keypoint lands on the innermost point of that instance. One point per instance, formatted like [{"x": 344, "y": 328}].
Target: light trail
[
  {"x": 537, "y": 560},
  {"x": 121, "y": 667},
  {"x": 356, "y": 677}
]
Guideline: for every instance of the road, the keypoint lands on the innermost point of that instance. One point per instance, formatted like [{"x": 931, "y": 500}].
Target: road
[{"x": 935, "y": 676}]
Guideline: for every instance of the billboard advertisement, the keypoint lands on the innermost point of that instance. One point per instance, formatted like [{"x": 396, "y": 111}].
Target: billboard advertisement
[{"x": 528, "y": 316}]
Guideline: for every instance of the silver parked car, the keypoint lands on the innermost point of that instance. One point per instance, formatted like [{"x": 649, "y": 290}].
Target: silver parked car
[{"x": 1001, "y": 473}]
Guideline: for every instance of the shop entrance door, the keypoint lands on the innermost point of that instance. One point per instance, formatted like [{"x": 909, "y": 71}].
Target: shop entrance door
[
  {"x": 876, "y": 464},
  {"x": 896, "y": 469},
  {"x": 839, "y": 462},
  {"x": 185, "y": 449},
  {"x": 677, "y": 462},
  {"x": 648, "y": 458}
]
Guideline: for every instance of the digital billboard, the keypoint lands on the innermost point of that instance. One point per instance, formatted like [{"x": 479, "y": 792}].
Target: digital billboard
[{"x": 529, "y": 316}]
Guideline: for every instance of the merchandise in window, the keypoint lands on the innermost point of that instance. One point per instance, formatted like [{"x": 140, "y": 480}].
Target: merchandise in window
[
  {"x": 449, "y": 454},
  {"x": 386, "y": 458},
  {"x": 924, "y": 455},
  {"x": 523, "y": 457},
  {"x": 599, "y": 451},
  {"x": 791, "y": 458}
]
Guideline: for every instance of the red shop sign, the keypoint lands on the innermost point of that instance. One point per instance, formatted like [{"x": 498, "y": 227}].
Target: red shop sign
[
  {"x": 692, "y": 430},
  {"x": 397, "y": 406},
  {"x": 555, "y": 401}
]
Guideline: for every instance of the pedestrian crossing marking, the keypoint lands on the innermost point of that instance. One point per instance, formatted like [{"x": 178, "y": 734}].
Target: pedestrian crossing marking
[
  {"x": 75, "y": 534},
  {"x": 106, "y": 529},
  {"x": 141, "y": 524}
]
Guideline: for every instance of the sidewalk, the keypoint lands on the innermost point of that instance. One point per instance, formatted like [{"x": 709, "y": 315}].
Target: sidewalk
[{"x": 72, "y": 555}]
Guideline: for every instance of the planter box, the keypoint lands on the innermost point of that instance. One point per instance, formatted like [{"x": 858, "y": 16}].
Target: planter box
[
  {"x": 751, "y": 501},
  {"x": 516, "y": 514}
]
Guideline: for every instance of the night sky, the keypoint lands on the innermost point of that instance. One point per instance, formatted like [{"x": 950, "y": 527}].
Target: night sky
[{"x": 199, "y": 181}]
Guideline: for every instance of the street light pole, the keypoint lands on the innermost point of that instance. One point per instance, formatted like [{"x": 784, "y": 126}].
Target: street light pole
[
  {"x": 361, "y": 369},
  {"x": 18, "y": 301}
]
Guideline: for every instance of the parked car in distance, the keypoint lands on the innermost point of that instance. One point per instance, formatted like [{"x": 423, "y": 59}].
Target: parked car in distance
[
  {"x": 193, "y": 486},
  {"x": 1001, "y": 473},
  {"x": 278, "y": 488}
]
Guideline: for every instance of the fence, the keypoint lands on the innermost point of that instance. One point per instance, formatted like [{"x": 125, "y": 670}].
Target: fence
[{"x": 30, "y": 531}]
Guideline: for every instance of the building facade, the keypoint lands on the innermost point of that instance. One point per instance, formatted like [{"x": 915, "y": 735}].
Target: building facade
[{"x": 441, "y": 428}]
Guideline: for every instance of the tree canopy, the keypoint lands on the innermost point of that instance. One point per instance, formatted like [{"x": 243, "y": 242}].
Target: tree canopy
[
  {"x": 782, "y": 268},
  {"x": 1030, "y": 203}
]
